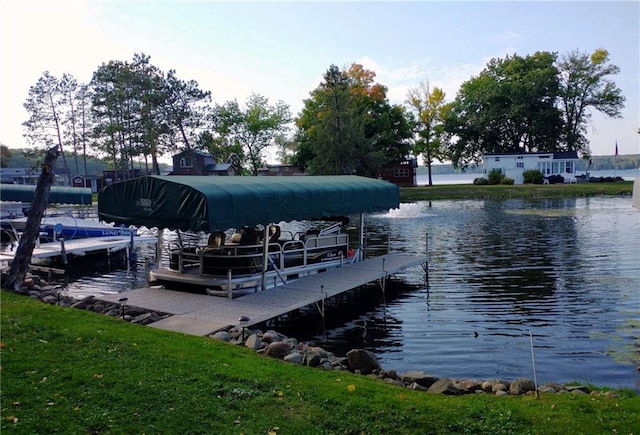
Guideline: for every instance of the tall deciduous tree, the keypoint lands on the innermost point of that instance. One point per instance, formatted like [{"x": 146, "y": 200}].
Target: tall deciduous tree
[
  {"x": 252, "y": 128},
  {"x": 348, "y": 126},
  {"x": 585, "y": 84},
  {"x": 186, "y": 110},
  {"x": 46, "y": 104},
  {"x": 430, "y": 109},
  {"x": 508, "y": 107}
]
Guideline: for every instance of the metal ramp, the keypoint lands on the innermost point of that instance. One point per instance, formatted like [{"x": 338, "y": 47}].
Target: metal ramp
[{"x": 202, "y": 315}]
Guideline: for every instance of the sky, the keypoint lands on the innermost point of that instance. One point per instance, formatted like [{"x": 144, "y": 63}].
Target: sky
[{"x": 282, "y": 49}]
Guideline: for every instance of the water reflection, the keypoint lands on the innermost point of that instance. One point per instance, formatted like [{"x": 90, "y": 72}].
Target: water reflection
[{"x": 566, "y": 270}]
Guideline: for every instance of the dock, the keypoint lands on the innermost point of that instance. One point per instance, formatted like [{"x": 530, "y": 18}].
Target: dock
[
  {"x": 79, "y": 247},
  {"x": 198, "y": 314}
]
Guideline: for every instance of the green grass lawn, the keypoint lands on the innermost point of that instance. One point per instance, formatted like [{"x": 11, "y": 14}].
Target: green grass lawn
[
  {"x": 69, "y": 371},
  {"x": 470, "y": 191}
]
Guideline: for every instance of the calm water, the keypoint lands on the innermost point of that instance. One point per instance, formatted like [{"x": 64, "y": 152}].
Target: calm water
[{"x": 566, "y": 271}]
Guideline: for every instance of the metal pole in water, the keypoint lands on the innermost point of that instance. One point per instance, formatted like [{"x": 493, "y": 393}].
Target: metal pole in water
[
  {"x": 63, "y": 251},
  {"x": 533, "y": 360}
]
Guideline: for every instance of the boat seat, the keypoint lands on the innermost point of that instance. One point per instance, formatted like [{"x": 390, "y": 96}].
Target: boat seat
[
  {"x": 216, "y": 239},
  {"x": 274, "y": 233},
  {"x": 235, "y": 238}
]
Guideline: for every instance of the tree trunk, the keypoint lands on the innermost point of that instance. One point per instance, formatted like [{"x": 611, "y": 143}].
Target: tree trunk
[{"x": 20, "y": 265}]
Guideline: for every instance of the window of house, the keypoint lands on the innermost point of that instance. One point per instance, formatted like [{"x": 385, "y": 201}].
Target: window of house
[
  {"x": 568, "y": 167},
  {"x": 544, "y": 167},
  {"x": 520, "y": 165},
  {"x": 497, "y": 159},
  {"x": 185, "y": 162},
  {"x": 400, "y": 172}
]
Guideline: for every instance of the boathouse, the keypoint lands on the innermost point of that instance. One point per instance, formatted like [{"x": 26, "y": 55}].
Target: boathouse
[{"x": 402, "y": 173}]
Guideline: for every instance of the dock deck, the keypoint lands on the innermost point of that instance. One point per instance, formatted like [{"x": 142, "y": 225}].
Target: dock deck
[
  {"x": 202, "y": 315},
  {"x": 80, "y": 246}
]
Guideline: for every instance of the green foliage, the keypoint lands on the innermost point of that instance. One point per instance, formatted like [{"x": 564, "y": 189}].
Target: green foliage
[
  {"x": 508, "y": 107},
  {"x": 429, "y": 108},
  {"x": 585, "y": 84},
  {"x": 248, "y": 131},
  {"x": 501, "y": 191},
  {"x": 481, "y": 181},
  {"x": 533, "y": 176},
  {"x": 495, "y": 176},
  {"x": 507, "y": 181},
  {"x": 349, "y": 127}
]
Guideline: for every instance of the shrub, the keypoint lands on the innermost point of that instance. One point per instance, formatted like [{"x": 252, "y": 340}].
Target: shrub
[
  {"x": 506, "y": 180},
  {"x": 533, "y": 176},
  {"x": 480, "y": 181},
  {"x": 495, "y": 176}
]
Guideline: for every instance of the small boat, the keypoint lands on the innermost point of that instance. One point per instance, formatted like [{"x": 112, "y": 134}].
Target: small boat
[
  {"x": 54, "y": 228},
  {"x": 253, "y": 253}
]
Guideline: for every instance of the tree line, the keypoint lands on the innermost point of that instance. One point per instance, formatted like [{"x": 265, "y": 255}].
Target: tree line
[{"x": 132, "y": 111}]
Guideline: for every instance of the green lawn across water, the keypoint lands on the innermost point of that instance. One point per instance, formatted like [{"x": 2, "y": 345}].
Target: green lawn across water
[
  {"x": 499, "y": 191},
  {"x": 70, "y": 371}
]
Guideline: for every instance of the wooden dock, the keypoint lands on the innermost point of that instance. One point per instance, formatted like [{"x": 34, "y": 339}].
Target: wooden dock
[
  {"x": 80, "y": 247},
  {"x": 202, "y": 315}
]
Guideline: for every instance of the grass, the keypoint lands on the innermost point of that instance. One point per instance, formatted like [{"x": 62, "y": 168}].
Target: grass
[
  {"x": 72, "y": 371},
  {"x": 471, "y": 191}
]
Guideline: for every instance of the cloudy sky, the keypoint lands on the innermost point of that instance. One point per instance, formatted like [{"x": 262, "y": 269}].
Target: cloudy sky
[{"x": 281, "y": 49}]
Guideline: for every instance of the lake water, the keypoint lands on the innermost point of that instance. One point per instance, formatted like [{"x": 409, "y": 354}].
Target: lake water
[{"x": 566, "y": 271}]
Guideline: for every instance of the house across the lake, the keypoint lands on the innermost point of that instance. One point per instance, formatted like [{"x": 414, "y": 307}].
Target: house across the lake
[
  {"x": 402, "y": 173},
  {"x": 512, "y": 165},
  {"x": 280, "y": 170},
  {"x": 191, "y": 162}
]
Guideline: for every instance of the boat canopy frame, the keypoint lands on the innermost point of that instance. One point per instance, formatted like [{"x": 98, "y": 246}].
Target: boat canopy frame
[{"x": 209, "y": 203}]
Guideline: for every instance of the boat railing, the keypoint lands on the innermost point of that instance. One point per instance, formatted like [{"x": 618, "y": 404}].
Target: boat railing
[{"x": 247, "y": 259}]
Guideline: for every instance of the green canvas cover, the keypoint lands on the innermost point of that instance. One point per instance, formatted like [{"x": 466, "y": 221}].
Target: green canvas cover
[
  {"x": 206, "y": 203},
  {"x": 57, "y": 194}
]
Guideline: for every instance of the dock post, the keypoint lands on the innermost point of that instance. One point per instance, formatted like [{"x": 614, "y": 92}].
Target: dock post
[
  {"x": 229, "y": 284},
  {"x": 63, "y": 251},
  {"x": 146, "y": 272}
]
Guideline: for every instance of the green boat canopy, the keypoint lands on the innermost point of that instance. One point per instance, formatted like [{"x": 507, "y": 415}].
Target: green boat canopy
[
  {"x": 57, "y": 194},
  {"x": 209, "y": 203}
]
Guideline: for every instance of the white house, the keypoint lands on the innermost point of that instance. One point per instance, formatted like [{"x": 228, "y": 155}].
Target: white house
[{"x": 513, "y": 165}]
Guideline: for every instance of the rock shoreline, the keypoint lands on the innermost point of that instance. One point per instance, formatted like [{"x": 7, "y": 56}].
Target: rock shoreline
[{"x": 275, "y": 345}]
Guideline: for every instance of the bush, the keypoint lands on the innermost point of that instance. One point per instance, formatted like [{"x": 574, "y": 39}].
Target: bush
[
  {"x": 480, "y": 181},
  {"x": 495, "y": 176},
  {"x": 506, "y": 180},
  {"x": 532, "y": 176}
]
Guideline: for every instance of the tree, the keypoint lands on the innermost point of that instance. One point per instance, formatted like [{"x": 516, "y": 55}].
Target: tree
[
  {"x": 251, "y": 129},
  {"x": 46, "y": 105},
  {"x": 347, "y": 126},
  {"x": 5, "y": 155},
  {"x": 185, "y": 110},
  {"x": 20, "y": 264},
  {"x": 430, "y": 110},
  {"x": 584, "y": 84},
  {"x": 508, "y": 107}
]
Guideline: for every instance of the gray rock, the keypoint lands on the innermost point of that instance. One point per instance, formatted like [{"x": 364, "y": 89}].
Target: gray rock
[
  {"x": 444, "y": 386},
  {"x": 272, "y": 336},
  {"x": 419, "y": 377},
  {"x": 500, "y": 386},
  {"x": 294, "y": 357},
  {"x": 222, "y": 336},
  {"x": 312, "y": 359},
  {"x": 395, "y": 382},
  {"x": 253, "y": 342},
  {"x": 574, "y": 388},
  {"x": 50, "y": 300},
  {"x": 521, "y": 386},
  {"x": 362, "y": 361},
  {"x": 277, "y": 350},
  {"x": 502, "y": 393}
]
